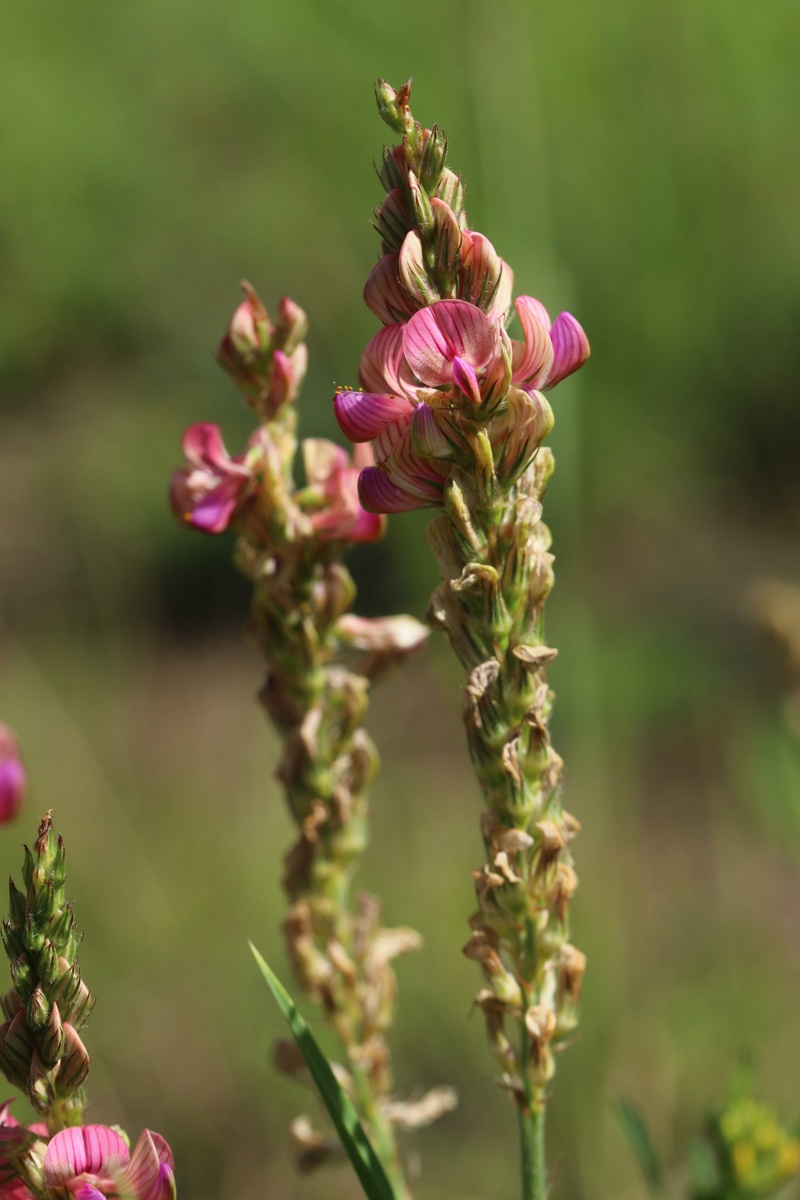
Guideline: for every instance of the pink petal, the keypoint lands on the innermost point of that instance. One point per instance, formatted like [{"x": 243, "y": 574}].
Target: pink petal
[
  {"x": 466, "y": 380},
  {"x": 150, "y": 1173},
  {"x": 382, "y": 362},
  {"x": 203, "y": 446},
  {"x": 437, "y": 335},
  {"x": 570, "y": 348},
  {"x": 385, "y": 295},
  {"x": 379, "y": 494},
  {"x": 418, "y": 476},
  {"x": 212, "y": 513},
  {"x": 88, "y": 1149},
  {"x": 533, "y": 358},
  {"x": 362, "y": 415},
  {"x": 369, "y": 527}
]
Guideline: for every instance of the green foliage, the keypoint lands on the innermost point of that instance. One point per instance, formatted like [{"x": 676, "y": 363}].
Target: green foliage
[{"x": 355, "y": 1142}]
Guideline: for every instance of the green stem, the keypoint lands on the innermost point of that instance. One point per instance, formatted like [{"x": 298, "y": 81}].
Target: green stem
[{"x": 531, "y": 1133}]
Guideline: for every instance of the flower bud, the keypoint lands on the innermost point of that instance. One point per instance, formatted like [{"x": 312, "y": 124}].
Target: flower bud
[
  {"x": 291, "y": 326},
  {"x": 393, "y": 105},
  {"x": 245, "y": 350},
  {"x": 421, "y": 207},
  {"x": 434, "y": 158}
]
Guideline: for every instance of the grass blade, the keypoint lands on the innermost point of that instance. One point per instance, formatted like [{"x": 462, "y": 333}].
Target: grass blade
[
  {"x": 351, "y": 1133},
  {"x": 638, "y": 1138}
]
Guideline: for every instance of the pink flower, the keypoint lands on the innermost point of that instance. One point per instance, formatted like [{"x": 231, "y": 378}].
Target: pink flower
[
  {"x": 13, "y": 779},
  {"x": 332, "y": 492},
  {"x": 93, "y": 1161},
  {"x": 448, "y": 357},
  {"x": 207, "y": 493}
]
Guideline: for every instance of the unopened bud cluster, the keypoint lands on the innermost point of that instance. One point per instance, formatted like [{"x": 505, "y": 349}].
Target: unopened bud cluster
[
  {"x": 41, "y": 1050},
  {"x": 457, "y": 413},
  {"x": 290, "y": 545}
]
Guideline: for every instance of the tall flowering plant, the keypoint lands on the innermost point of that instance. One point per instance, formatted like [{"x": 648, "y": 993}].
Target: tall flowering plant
[
  {"x": 455, "y": 409},
  {"x": 290, "y": 543}
]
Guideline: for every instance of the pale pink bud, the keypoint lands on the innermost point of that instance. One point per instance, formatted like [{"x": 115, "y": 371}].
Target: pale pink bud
[
  {"x": 245, "y": 350},
  {"x": 12, "y": 775},
  {"x": 291, "y": 326}
]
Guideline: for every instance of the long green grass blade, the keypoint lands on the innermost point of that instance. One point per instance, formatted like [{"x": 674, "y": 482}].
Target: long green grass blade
[
  {"x": 351, "y": 1133},
  {"x": 638, "y": 1137}
]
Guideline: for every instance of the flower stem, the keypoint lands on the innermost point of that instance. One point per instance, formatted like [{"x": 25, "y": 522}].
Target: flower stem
[{"x": 534, "y": 1170}]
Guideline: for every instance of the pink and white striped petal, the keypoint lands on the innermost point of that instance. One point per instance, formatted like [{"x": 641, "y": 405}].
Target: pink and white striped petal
[
  {"x": 437, "y": 335},
  {"x": 383, "y": 366},
  {"x": 380, "y": 494},
  {"x": 570, "y": 348},
  {"x": 385, "y": 295},
  {"x": 363, "y": 415},
  {"x": 533, "y": 358},
  {"x": 150, "y": 1174}
]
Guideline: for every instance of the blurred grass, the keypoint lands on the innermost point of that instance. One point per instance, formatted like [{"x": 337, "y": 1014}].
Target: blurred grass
[{"x": 637, "y": 164}]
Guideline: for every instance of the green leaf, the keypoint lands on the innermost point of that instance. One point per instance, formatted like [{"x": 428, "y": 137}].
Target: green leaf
[
  {"x": 638, "y": 1138},
  {"x": 351, "y": 1133}
]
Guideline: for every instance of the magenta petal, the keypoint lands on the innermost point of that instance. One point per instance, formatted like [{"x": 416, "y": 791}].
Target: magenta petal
[
  {"x": 378, "y": 494},
  {"x": 88, "y": 1149},
  {"x": 87, "y": 1192},
  {"x": 570, "y": 348},
  {"x": 12, "y": 788},
  {"x": 466, "y": 380},
  {"x": 369, "y": 527},
  {"x": 362, "y": 415},
  {"x": 211, "y": 513},
  {"x": 203, "y": 446}
]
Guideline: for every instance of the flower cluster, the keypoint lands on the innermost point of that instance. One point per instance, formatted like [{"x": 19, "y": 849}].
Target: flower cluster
[
  {"x": 456, "y": 411},
  {"x": 217, "y": 491},
  {"x": 444, "y": 367},
  {"x": 88, "y": 1162}
]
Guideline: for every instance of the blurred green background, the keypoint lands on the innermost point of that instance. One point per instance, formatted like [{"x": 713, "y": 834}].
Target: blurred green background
[{"x": 635, "y": 163}]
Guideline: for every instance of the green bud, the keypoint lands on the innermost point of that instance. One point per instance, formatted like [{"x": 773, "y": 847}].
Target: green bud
[
  {"x": 434, "y": 160},
  {"x": 393, "y": 105},
  {"x": 421, "y": 207},
  {"x": 38, "y": 1010}
]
